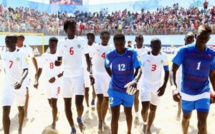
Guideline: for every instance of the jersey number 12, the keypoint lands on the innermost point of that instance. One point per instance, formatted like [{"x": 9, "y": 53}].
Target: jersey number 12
[{"x": 121, "y": 67}]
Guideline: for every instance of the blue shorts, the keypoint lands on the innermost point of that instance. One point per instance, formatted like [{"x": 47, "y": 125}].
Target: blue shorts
[
  {"x": 117, "y": 98},
  {"x": 201, "y": 105}
]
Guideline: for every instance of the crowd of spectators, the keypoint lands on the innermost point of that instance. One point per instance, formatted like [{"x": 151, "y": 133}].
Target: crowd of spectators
[{"x": 169, "y": 20}]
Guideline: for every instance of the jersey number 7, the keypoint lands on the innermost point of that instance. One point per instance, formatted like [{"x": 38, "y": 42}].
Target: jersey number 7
[{"x": 11, "y": 63}]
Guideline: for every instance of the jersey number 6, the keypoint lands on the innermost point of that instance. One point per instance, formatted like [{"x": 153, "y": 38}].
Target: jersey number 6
[{"x": 71, "y": 51}]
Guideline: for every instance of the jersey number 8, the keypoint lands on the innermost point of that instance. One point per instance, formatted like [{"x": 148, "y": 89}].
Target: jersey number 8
[{"x": 51, "y": 65}]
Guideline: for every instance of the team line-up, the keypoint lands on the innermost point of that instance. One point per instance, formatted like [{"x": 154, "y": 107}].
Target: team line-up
[{"x": 119, "y": 75}]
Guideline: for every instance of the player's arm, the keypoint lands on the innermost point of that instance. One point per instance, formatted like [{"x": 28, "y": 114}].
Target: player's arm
[
  {"x": 17, "y": 85},
  {"x": 161, "y": 90},
  {"x": 35, "y": 63},
  {"x": 58, "y": 61},
  {"x": 31, "y": 55},
  {"x": 89, "y": 64},
  {"x": 37, "y": 76},
  {"x": 132, "y": 86},
  {"x": 109, "y": 71},
  {"x": 107, "y": 65},
  {"x": 177, "y": 61},
  {"x": 137, "y": 74}
]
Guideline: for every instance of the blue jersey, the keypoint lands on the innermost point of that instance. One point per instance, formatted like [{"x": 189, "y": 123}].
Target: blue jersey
[
  {"x": 122, "y": 67},
  {"x": 196, "y": 66}
]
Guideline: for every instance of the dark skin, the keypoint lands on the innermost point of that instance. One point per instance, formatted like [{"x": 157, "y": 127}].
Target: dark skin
[
  {"x": 11, "y": 45},
  {"x": 91, "y": 40},
  {"x": 102, "y": 102},
  {"x": 139, "y": 42},
  {"x": 71, "y": 30},
  {"x": 149, "y": 118},
  {"x": 52, "y": 101},
  {"x": 115, "y": 110},
  {"x": 201, "y": 40},
  {"x": 19, "y": 44},
  {"x": 189, "y": 39}
]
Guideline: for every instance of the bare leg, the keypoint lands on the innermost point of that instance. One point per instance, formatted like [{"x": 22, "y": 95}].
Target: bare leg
[
  {"x": 86, "y": 95},
  {"x": 136, "y": 107},
  {"x": 115, "y": 118},
  {"x": 68, "y": 111},
  {"x": 99, "y": 109},
  {"x": 202, "y": 122},
  {"x": 80, "y": 108},
  {"x": 54, "y": 112},
  {"x": 21, "y": 118},
  {"x": 128, "y": 114},
  {"x": 105, "y": 103},
  {"x": 186, "y": 122},
  {"x": 179, "y": 111},
  {"x": 6, "y": 119},
  {"x": 144, "y": 113},
  {"x": 26, "y": 103},
  {"x": 151, "y": 118}
]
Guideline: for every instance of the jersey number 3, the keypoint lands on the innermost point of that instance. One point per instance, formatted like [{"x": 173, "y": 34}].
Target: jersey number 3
[
  {"x": 103, "y": 55},
  {"x": 153, "y": 67}
]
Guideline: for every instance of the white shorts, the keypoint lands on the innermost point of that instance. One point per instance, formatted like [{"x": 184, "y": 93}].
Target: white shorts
[
  {"x": 87, "y": 82},
  {"x": 71, "y": 86},
  {"x": 149, "y": 92},
  {"x": 53, "y": 89},
  {"x": 9, "y": 94},
  {"x": 102, "y": 84},
  {"x": 26, "y": 82}
]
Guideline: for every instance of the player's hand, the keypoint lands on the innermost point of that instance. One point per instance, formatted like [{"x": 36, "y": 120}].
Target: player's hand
[
  {"x": 131, "y": 87},
  {"x": 17, "y": 85},
  {"x": 212, "y": 98},
  {"x": 161, "y": 90},
  {"x": 36, "y": 84},
  {"x": 92, "y": 80},
  {"x": 57, "y": 63},
  {"x": 52, "y": 80},
  {"x": 177, "y": 97}
]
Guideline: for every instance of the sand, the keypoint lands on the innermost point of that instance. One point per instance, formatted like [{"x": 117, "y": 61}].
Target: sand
[{"x": 40, "y": 117}]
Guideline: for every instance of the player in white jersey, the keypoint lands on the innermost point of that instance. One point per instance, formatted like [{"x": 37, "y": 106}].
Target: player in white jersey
[
  {"x": 102, "y": 79},
  {"x": 87, "y": 83},
  {"x": 53, "y": 74},
  {"x": 153, "y": 87},
  {"x": 70, "y": 51},
  {"x": 189, "y": 39},
  {"x": 15, "y": 66},
  {"x": 140, "y": 48},
  {"x": 29, "y": 52}
]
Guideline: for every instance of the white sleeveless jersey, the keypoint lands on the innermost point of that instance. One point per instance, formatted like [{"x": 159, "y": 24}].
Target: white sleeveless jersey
[
  {"x": 13, "y": 64},
  {"x": 72, "y": 52},
  {"x": 47, "y": 63},
  {"x": 152, "y": 66},
  {"x": 98, "y": 56}
]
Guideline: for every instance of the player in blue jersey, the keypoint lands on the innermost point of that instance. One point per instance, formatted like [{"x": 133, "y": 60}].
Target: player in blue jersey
[
  {"x": 120, "y": 64},
  {"x": 198, "y": 64},
  {"x": 189, "y": 39}
]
